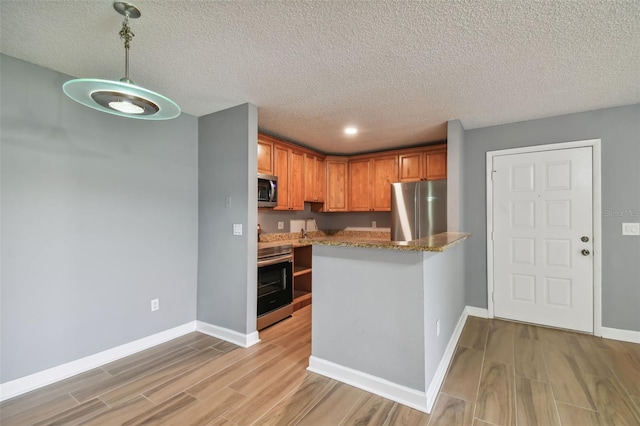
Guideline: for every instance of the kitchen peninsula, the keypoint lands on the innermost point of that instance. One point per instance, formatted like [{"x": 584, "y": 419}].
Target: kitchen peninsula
[{"x": 386, "y": 315}]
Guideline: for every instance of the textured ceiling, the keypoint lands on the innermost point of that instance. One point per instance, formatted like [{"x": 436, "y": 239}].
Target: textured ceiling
[{"x": 397, "y": 70}]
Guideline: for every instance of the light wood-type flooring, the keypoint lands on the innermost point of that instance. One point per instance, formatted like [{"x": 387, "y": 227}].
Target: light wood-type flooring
[{"x": 502, "y": 373}]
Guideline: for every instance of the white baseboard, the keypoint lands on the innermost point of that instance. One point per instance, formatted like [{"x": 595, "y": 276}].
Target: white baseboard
[
  {"x": 608, "y": 333},
  {"x": 244, "y": 340},
  {"x": 422, "y": 401},
  {"x": 443, "y": 366},
  {"x": 477, "y": 312},
  {"x": 384, "y": 388},
  {"x": 42, "y": 378},
  {"x": 624, "y": 335}
]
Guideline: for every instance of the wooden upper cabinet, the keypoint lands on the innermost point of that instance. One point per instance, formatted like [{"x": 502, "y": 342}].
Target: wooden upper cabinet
[
  {"x": 281, "y": 170},
  {"x": 384, "y": 173},
  {"x": 296, "y": 181},
  {"x": 289, "y": 168},
  {"x": 321, "y": 181},
  {"x": 411, "y": 166},
  {"x": 424, "y": 163},
  {"x": 336, "y": 189},
  {"x": 265, "y": 156},
  {"x": 370, "y": 182},
  {"x": 359, "y": 185},
  {"x": 313, "y": 178},
  {"x": 340, "y": 183},
  {"x": 436, "y": 164}
]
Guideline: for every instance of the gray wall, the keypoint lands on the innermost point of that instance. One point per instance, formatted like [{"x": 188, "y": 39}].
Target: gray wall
[
  {"x": 227, "y": 269},
  {"x": 444, "y": 300},
  {"x": 455, "y": 205},
  {"x": 619, "y": 129},
  {"x": 98, "y": 216},
  {"x": 375, "y": 310},
  {"x": 368, "y": 312}
]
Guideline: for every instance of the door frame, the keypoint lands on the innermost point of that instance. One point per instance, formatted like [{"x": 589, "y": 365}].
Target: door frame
[{"x": 597, "y": 219}]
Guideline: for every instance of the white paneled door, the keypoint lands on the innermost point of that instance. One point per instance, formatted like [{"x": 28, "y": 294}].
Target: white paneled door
[{"x": 543, "y": 238}]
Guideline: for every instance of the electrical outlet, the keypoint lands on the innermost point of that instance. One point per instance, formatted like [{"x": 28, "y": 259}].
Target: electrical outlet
[
  {"x": 227, "y": 201},
  {"x": 155, "y": 304},
  {"x": 280, "y": 224},
  {"x": 373, "y": 224},
  {"x": 237, "y": 229},
  {"x": 437, "y": 327},
  {"x": 631, "y": 229}
]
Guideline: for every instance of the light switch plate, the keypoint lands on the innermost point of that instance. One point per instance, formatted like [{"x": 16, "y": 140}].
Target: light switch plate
[
  {"x": 237, "y": 229},
  {"x": 631, "y": 229},
  {"x": 280, "y": 224}
]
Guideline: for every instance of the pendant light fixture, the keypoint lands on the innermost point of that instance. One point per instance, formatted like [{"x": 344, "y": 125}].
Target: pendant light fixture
[{"x": 122, "y": 97}]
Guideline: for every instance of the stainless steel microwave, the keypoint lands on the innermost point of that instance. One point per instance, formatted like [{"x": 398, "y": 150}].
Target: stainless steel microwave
[{"x": 267, "y": 190}]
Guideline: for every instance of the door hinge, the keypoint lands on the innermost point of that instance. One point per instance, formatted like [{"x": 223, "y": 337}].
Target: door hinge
[{"x": 493, "y": 172}]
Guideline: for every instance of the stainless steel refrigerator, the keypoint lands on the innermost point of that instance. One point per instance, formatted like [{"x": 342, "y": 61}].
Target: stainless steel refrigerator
[{"x": 418, "y": 209}]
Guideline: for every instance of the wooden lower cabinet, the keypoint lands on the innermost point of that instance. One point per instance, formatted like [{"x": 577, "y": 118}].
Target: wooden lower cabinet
[{"x": 302, "y": 273}]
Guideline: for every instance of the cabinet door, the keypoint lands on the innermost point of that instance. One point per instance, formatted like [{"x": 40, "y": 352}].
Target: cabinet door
[
  {"x": 265, "y": 157},
  {"x": 296, "y": 181},
  {"x": 336, "y": 196},
  {"x": 320, "y": 180},
  {"x": 281, "y": 169},
  {"x": 411, "y": 167},
  {"x": 310, "y": 178},
  {"x": 384, "y": 173},
  {"x": 314, "y": 178},
  {"x": 436, "y": 165},
  {"x": 359, "y": 185}
]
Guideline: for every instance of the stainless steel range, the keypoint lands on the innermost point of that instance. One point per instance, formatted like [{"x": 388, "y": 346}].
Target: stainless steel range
[{"x": 275, "y": 279}]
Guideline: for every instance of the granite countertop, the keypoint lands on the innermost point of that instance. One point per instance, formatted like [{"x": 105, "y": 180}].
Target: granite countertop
[{"x": 434, "y": 243}]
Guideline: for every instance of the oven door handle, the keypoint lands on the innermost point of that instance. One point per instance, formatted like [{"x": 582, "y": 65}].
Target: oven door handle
[{"x": 275, "y": 260}]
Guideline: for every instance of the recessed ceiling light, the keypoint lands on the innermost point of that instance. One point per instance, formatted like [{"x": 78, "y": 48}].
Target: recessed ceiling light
[{"x": 351, "y": 130}]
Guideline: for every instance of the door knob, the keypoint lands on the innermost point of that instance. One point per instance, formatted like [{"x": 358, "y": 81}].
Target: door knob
[
  {"x": 584, "y": 239},
  {"x": 585, "y": 252}
]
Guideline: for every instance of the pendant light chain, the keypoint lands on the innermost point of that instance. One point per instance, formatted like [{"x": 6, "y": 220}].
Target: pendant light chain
[{"x": 127, "y": 35}]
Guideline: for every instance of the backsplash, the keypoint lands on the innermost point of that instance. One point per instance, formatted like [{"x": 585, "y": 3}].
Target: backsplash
[
  {"x": 268, "y": 219},
  {"x": 369, "y": 233}
]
